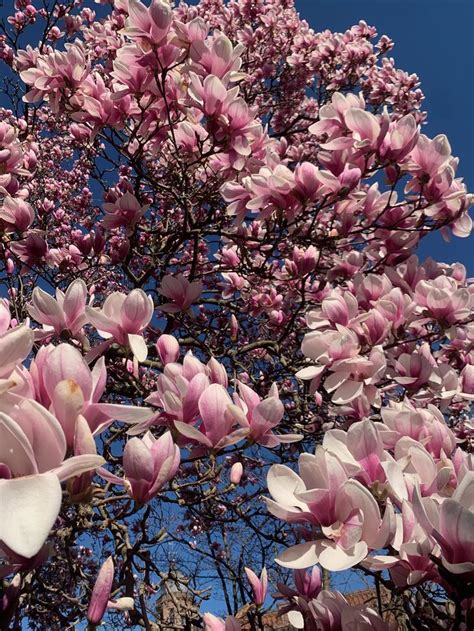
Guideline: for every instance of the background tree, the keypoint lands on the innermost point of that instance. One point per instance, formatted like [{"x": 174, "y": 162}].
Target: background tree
[{"x": 209, "y": 220}]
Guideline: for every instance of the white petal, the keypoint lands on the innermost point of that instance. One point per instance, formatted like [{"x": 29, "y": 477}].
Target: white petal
[
  {"x": 300, "y": 556},
  {"x": 30, "y": 507},
  {"x": 295, "y": 618},
  {"x": 77, "y": 465},
  {"x": 138, "y": 346},
  {"x": 335, "y": 559}
]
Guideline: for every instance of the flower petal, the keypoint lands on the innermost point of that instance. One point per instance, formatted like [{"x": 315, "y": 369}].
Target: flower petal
[{"x": 30, "y": 507}]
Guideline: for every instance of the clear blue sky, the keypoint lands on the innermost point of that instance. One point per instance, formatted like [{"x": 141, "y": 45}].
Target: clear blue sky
[{"x": 433, "y": 38}]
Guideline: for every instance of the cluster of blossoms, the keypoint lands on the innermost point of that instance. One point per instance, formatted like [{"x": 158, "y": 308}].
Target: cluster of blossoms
[
  {"x": 209, "y": 217},
  {"x": 411, "y": 461},
  {"x": 356, "y": 345}
]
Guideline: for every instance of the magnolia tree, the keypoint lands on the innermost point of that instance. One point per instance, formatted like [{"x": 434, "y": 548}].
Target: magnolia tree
[{"x": 219, "y": 351}]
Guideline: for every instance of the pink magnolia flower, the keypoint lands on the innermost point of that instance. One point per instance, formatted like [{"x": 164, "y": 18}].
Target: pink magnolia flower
[
  {"x": 33, "y": 250},
  {"x": 15, "y": 346},
  {"x": 168, "y": 349},
  {"x": 413, "y": 564},
  {"x": 131, "y": 76},
  {"x": 148, "y": 463},
  {"x": 65, "y": 313},
  {"x": 216, "y": 56},
  {"x": 123, "y": 318},
  {"x": 16, "y": 213},
  {"x": 55, "y": 75},
  {"x": 271, "y": 189},
  {"x": 216, "y": 430},
  {"x": 178, "y": 390},
  {"x": 261, "y": 416},
  {"x": 307, "y": 585},
  {"x": 424, "y": 425},
  {"x": 32, "y": 452},
  {"x": 361, "y": 451},
  {"x": 125, "y": 211},
  {"x": 444, "y": 300},
  {"x": 236, "y": 473},
  {"x": 150, "y": 25},
  {"x": 308, "y": 183},
  {"x": 335, "y": 309},
  {"x": 11, "y": 158},
  {"x": 99, "y": 601},
  {"x": 233, "y": 283},
  {"x": 367, "y": 129},
  {"x": 358, "y": 375},
  {"x": 259, "y": 585},
  {"x": 400, "y": 139},
  {"x": 213, "y": 623},
  {"x": 304, "y": 261},
  {"x": 188, "y": 136},
  {"x": 99, "y": 108},
  {"x": 346, "y": 512},
  {"x": 211, "y": 95},
  {"x": 331, "y": 611},
  {"x": 372, "y": 327},
  {"x": 467, "y": 382},
  {"x": 329, "y": 348},
  {"x": 430, "y": 156},
  {"x": 414, "y": 370},
  {"x": 450, "y": 524},
  {"x": 420, "y": 469},
  {"x": 180, "y": 291},
  {"x": 101, "y": 592},
  {"x": 396, "y": 307},
  {"x": 63, "y": 381},
  {"x": 332, "y": 121}
]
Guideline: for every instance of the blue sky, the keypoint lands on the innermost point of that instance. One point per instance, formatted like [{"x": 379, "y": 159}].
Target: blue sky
[{"x": 433, "y": 38}]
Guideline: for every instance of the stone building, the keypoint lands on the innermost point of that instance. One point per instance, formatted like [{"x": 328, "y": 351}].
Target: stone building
[{"x": 176, "y": 609}]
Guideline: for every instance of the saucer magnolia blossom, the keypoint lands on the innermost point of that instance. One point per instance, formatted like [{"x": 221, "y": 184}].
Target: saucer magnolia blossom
[
  {"x": 16, "y": 213},
  {"x": 261, "y": 416},
  {"x": 179, "y": 387},
  {"x": 15, "y": 346},
  {"x": 148, "y": 465},
  {"x": 346, "y": 513},
  {"x": 213, "y": 623},
  {"x": 125, "y": 211},
  {"x": 123, "y": 319},
  {"x": 65, "y": 313},
  {"x": 180, "y": 291},
  {"x": 217, "y": 428},
  {"x": 168, "y": 349},
  {"x": 259, "y": 585},
  {"x": 236, "y": 472},
  {"x": 65, "y": 383},
  {"x": 99, "y": 601},
  {"x": 33, "y": 457},
  {"x": 307, "y": 584},
  {"x": 330, "y": 611},
  {"x": 148, "y": 24},
  {"x": 450, "y": 524}
]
